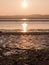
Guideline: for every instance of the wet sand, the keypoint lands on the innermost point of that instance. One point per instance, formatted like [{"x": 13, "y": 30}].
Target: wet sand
[{"x": 18, "y": 47}]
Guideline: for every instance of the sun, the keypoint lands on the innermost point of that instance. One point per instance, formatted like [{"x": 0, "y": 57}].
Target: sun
[
  {"x": 24, "y": 25},
  {"x": 24, "y": 4}
]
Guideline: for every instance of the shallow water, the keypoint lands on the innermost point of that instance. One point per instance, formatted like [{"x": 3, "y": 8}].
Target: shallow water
[
  {"x": 25, "y": 41},
  {"x": 17, "y": 49},
  {"x": 18, "y": 24}
]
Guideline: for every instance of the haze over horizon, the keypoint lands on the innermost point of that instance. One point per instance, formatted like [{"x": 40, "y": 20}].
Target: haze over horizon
[{"x": 18, "y": 7}]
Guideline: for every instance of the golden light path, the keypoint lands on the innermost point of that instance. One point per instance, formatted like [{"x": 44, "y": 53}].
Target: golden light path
[
  {"x": 24, "y": 25},
  {"x": 24, "y": 4}
]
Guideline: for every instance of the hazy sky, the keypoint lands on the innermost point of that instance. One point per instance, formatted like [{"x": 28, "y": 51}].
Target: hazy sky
[{"x": 14, "y": 7}]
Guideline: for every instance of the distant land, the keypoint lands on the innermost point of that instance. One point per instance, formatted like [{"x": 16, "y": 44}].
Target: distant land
[{"x": 34, "y": 16}]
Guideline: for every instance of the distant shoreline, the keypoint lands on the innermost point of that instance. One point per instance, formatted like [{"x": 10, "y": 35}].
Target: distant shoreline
[
  {"x": 24, "y": 20},
  {"x": 33, "y": 16}
]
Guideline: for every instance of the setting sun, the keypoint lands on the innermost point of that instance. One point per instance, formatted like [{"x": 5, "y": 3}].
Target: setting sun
[
  {"x": 24, "y": 27},
  {"x": 24, "y": 4}
]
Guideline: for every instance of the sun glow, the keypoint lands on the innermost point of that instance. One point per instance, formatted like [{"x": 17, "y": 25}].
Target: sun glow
[
  {"x": 24, "y": 19},
  {"x": 24, "y": 4},
  {"x": 24, "y": 27}
]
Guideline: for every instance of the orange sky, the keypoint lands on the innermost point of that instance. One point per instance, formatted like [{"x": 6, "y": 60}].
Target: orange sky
[{"x": 14, "y": 7}]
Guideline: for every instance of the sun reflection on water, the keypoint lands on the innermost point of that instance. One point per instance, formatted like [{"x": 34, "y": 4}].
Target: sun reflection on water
[{"x": 24, "y": 25}]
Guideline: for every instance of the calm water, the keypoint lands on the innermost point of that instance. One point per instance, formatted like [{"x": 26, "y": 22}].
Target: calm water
[{"x": 30, "y": 24}]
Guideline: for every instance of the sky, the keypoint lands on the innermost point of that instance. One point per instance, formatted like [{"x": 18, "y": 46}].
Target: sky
[{"x": 15, "y": 7}]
